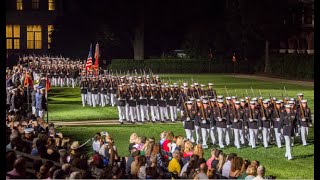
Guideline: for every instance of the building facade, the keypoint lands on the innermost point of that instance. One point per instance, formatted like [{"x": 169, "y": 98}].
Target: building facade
[
  {"x": 29, "y": 24},
  {"x": 300, "y": 23}
]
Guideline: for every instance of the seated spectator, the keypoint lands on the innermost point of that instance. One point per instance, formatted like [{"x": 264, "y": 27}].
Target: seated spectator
[
  {"x": 191, "y": 165},
  {"x": 251, "y": 172},
  {"x": 209, "y": 161},
  {"x": 203, "y": 171},
  {"x": 163, "y": 137},
  {"x": 75, "y": 175},
  {"x": 131, "y": 159},
  {"x": 188, "y": 149},
  {"x": 236, "y": 164},
  {"x": 242, "y": 173},
  {"x": 227, "y": 166},
  {"x": 59, "y": 174},
  {"x": 174, "y": 165},
  {"x": 96, "y": 143},
  {"x": 255, "y": 163},
  {"x": 138, "y": 143},
  {"x": 10, "y": 159},
  {"x": 51, "y": 171},
  {"x": 166, "y": 145},
  {"x": 211, "y": 173},
  {"x": 44, "y": 172},
  {"x": 132, "y": 141},
  {"x": 66, "y": 168},
  {"x": 197, "y": 150},
  {"x": 142, "y": 167},
  {"x": 135, "y": 167},
  {"x": 158, "y": 158},
  {"x": 260, "y": 173},
  {"x": 19, "y": 169}
]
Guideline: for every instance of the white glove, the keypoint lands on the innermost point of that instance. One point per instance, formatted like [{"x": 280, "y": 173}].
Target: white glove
[
  {"x": 219, "y": 119},
  {"x": 235, "y": 120},
  {"x": 259, "y": 128},
  {"x": 303, "y": 119},
  {"x": 246, "y": 127},
  {"x": 277, "y": 119},
  {"x": 250, "y": 120},
  {"x": 212, "y": 128},
  {"x": 228, "y": 126},
  {"x": 188, "y": 119},
  {"x": 141, "y": 98},
  {"x": 298, "y": 126},
  {"x": 310, "y": 125},
  {"x": 281, "y": 131},
  {"x": 264, "y": 118}
]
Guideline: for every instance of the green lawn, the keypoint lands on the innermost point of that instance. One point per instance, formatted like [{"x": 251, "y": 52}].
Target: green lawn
[
  {"x": 65, "y": 104},
  {"x": 302, "y": 167}
]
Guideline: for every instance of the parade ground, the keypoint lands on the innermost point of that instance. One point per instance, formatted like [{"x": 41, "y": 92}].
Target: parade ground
[{"x": 77, "y": 122}]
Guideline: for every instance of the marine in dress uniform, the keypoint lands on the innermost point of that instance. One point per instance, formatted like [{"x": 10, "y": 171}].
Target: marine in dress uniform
[
  {"x": 89, "y": 97},
  {"x": 94, "y": 92},
  {"x": 143, "y": 100},
  {"x": 253, "y": 119},
  {"x": 205, "y": 113},
  {"x": 197, "y": 121},
  {"x": 132, "y": 105},
  {"x": 266, "y": 113},
  {"x": 237, "y": 117},
  {"x": 221, "y": 121},
  {"x": 84, "y": 91},
  {"x": 163, "y": 104},
  {"x": 121, "y": 103},
  {"x": 103, "y": 91},
  {"x": 173, "y": 103},
  {"x": 277, "y": 112},
  {"x": 305, "y": 121},
  {"x": 153, "y": 103},
  {"x": 213, "y": 116},
  {"x": 188, "y": 116},
  {"x": 286, "y": 125}
]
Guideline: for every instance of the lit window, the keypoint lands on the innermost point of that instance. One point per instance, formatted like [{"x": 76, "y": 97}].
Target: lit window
[
  {"x": 13, "y": 36},
  {"x": 50, "y": 29},
  {"x": 19, "y": 5},
  {"x": 35, "y": 4},
  {"x": 51, "y": 5},
  {"x": 34, "y": 37}
]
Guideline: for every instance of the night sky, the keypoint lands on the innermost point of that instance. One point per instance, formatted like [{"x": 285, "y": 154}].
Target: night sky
[{"x": 168, "y": 25}]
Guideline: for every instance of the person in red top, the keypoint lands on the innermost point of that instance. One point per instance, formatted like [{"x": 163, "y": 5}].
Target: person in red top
[
  {"x": 188, "y": 150},
  {"x": 166, "y": 145}
]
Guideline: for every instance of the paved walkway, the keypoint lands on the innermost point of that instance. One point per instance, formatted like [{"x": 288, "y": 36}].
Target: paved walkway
[
  {"x": 302, "y": 83},
  {"x": 100, "y": 122}
]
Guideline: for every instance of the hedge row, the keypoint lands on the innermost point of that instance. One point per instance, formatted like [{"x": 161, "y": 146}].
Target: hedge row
[
  {"x": 299, "y": 66},
  {"x": 181, "y": 66}
]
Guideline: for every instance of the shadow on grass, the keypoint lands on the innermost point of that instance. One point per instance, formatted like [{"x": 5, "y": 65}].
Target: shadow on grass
[{"x": 303, "y": 156}]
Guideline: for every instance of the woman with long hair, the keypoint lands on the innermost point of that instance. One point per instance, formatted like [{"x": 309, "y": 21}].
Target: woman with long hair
[
  {"x": 188, "y": 150},
  {"x": 236, "y": 164},
  {"x": 156, "y": 155},
  {"x": 242, "y": 173}
]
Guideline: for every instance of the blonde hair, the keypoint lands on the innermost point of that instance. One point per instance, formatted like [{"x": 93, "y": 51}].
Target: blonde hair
[
  {"x": 188, "y": 146},
  {"x": 163, "y": 135},
  {"x": 197, "y": 150},
  {"x": 251, "y": 170},
  {"x": 179, "y": 141},
  {"x": 133, "y": 138}
]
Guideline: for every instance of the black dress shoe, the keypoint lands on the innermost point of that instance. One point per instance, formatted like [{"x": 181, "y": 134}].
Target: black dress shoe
[{"x": 121, "y": 123}]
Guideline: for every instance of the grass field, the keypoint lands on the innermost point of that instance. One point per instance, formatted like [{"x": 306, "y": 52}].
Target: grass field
[{"x": 65, "y": 105}]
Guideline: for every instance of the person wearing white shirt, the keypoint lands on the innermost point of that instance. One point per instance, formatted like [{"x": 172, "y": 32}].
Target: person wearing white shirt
[{"x": 227, "y": 166}]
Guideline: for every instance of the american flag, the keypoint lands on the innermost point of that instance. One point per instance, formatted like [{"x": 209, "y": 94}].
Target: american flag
[{"x": 89, "y": 60}]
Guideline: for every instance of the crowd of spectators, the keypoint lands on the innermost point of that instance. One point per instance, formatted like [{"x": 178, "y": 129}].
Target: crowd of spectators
[{"x": 171, "y": 157}]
